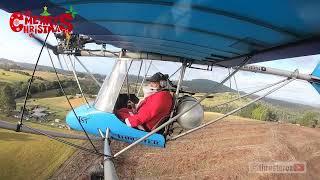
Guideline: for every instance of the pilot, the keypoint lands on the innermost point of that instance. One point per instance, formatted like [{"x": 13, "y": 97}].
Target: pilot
[{"x": 153, "y": 108}]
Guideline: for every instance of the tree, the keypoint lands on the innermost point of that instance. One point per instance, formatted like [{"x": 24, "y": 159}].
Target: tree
[
  {"x": 271, "y": 116},
  {"x": 42, "y": 87},
  {"x": 309, "y": 119},
  {"x": 7, "y": 101}
]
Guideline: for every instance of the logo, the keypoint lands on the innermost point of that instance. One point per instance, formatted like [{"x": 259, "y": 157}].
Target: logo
[
  {"x": 44, "y": 23},
  {"x": 83, "y": 119},
  {"x": 277, "y": 167}
]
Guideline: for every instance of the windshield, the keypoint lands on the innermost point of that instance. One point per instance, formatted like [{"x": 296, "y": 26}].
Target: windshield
[{"x": 111, "y": 87}]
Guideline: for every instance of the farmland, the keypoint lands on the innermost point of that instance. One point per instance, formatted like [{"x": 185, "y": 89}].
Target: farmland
[{"x": 40, "y": 157}]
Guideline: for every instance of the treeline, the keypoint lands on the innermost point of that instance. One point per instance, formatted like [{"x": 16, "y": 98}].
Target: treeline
[
  {"x": 69, "y": 85},
  {"x": 7, "y": 102},
  {"x": 8, "y": 66},
  {"x": 264, "y": 112},
  {"x": 255, "y": 111}
]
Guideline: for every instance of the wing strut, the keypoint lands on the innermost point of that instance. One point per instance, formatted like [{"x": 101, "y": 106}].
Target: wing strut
[
  {"x": 29, "y": 85},
  {"x": 77, "y": 80},
  {"x": 244, "y": 62},
  {"x": 90, "y": 74},
  {"x": 64, "y": 93},
  {"x": 145, "y": 76},
  {"x": 109, "y": 170},
  {"x": 234, "y": 111}
]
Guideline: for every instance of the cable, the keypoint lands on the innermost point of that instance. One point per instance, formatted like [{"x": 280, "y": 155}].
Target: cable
[
  {"x": 234, "y": 111},
  {"x": 19, "y": 125},
  {"x": 64, "y": 93},
  {"x": 136, "y": 85},
  {"x": 77, "y": 80},
  {"x": 128, "y": 85},
  {"x": 145, "y": 75},
  {"x": 29, "y": 85},
  {"x": 244, "y": 62},
  {"x": 67, "y": 142}
]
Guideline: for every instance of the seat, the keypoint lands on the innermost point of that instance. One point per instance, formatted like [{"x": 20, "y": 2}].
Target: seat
[{"x": 165, "y": 118}]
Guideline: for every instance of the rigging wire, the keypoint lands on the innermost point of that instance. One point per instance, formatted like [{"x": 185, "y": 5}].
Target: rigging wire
[
  {"x": 136, "y": 85},
  {"x": 67, "y": 142},
  {"x": 19, "y": 125},
  {"x": 234, "y": 111},
  {"x": 156, "y": 67},
  {"x": 244, "y": 62},
  {"x": 248, "y": 94},
  {"x": 175, "y": 72},
  {"x": 236, "y": 84},
  {"x": 145, "y": 75},
  {"x": 128, "y": 85},
  {"x": 60, "y": 63},
  {"x": 29, "y": 85},
  {"x": 74, "y": 112},
  {"x": 77, "y": 80},
  {"x": 88, "y": 72},
  {"x": 229, "y": 79},
  {"x": 65, "y": 61}
]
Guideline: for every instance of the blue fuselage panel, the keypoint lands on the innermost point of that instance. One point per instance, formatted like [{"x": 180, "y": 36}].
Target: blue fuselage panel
[{"x": 93, "y": 119}]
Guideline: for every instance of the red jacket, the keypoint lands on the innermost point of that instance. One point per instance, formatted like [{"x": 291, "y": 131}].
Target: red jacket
[{"x": 152, "y": 109}]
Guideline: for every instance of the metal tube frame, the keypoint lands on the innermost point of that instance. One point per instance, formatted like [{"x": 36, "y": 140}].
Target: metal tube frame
[
  {"x": 87, "y": 70},
  {"x": 137, "y": 81},
  {"x": 175, "y": 72},
  {"x": 248, "y": 94},
  {"x": 182, "y": 72},
  {"x": 145, "y": 76},
  {"x": 77, "y": 80},
  {"x": 235, "y": 82},
  {"x": 108, "y": 166},
  {"x": 232, "y": 112},
  {"x": 65, "y": 61},
  {"x": 60, "y": 63},
  {"x": 279, "y": 72},
  {"x": 182, "y": 69},
  {"x": 246, "y": 60}
]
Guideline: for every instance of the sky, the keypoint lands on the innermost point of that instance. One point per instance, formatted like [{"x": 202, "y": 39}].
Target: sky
[{"x": 20, "y": 47}]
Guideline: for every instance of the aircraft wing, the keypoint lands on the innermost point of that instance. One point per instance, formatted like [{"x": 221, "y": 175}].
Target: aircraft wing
[{"x": 207, "y": 31}]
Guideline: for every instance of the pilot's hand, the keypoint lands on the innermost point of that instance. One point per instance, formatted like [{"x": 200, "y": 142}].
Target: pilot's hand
[{"x": 131, "y": 105}]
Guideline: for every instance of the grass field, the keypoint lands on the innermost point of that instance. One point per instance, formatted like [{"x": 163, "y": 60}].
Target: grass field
[
  {"x": 28, "y": 156},
  {"x": 219, "y": 98},
  {"x": 58, "y": 105},
  {"x": 11, "y": 77},
  {"x": 213, "y": 115},
  {"x": 49, "y": 76}
]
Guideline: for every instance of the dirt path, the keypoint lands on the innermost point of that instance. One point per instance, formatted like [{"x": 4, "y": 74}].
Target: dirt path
[{"x": 221, "y": 151}]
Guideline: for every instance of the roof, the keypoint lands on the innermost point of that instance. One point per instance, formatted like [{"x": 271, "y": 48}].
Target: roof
[{"x": 212, "y": 31}]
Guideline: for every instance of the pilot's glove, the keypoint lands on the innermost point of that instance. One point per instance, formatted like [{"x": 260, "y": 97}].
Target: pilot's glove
[{"x": 132, "y": 106}]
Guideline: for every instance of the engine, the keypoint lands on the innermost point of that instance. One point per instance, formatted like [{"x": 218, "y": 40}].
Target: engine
[{"x": 192, "y": 118}]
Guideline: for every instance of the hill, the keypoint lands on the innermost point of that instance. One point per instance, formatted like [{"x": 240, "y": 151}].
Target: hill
[
  {"x": 195, "y": 85},
  {"x": 205, "y": 85},
  {"x": 9, "y": 64}
]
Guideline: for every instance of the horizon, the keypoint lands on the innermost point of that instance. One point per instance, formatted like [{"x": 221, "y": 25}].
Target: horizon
[
  {"x": 21, "y": 48},
  {"x": 227, "y": 85}
]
